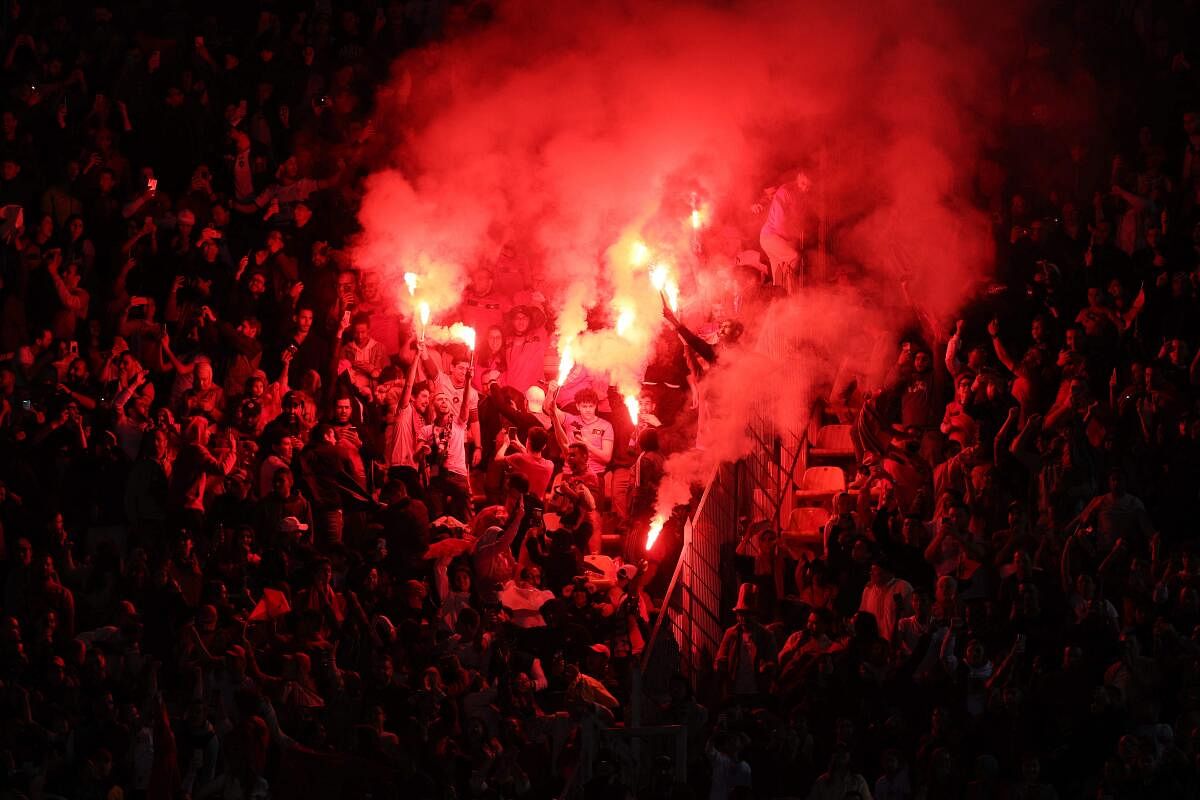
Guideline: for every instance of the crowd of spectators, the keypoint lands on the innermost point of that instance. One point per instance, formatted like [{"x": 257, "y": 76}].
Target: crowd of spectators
[
  {"x": 1004, "y": 601},
  {"x": 261, "y": 539}
]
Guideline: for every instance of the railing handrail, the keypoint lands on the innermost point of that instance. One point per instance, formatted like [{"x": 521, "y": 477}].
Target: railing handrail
[{"x": 688, "y": 527}]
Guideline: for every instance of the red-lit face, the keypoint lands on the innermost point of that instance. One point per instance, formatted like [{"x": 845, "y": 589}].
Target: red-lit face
[{"x": 963, "y": 392}]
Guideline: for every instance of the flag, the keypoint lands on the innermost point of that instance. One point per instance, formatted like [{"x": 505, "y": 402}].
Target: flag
[{"x": 273, "y": 605}]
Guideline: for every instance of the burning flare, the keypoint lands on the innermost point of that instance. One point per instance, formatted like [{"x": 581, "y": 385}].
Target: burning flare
[
  {"x": 423, "y": 312},
  {"x": 633, "y": 406},
  {"x": 410, "y": 280},
  {"x": 656, "y": 527},
  {"x": 664, "y": 284},
  {"x": 625, "y": 319},
  {"x": 566, "y": 363},
  {"x": 639, "y": 254},
  {"x": 696, "y": 219}
]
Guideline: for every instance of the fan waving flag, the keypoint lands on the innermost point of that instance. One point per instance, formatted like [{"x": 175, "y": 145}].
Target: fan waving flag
[{"x": 273, "y": 605}]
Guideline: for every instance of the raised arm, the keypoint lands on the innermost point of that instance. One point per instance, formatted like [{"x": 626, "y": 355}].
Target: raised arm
[
  {"x": 514, "y": 525},
  {"x": 430, "y": 365},
  {"x": 560, "y": 435},
  {"x": 698, "y": 345},
  {"x": 180, "y": 367},
  {"x": 998, "y": 346},
  {"x": 954, "y": 364},
  {"x": 464, "y": 411},
  {"x": 406, "y": 395}
]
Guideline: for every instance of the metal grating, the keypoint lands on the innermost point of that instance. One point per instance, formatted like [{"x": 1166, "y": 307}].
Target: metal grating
[{"x": 758, "y": 486}]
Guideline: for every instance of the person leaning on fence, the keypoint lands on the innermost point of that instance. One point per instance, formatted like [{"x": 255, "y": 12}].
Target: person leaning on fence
[{"x": 745, "y": 663}]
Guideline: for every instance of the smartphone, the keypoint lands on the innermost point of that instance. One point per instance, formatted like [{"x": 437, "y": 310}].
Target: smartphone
[
  {"x": 73, "y": 347},
  {"x": 152, "y": 184},
  {"x": 27, "y": 405},
  {"x": 512, "y": 434}
]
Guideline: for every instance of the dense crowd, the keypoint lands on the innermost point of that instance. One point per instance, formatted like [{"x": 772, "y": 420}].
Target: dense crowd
[{"x": 263, "y": 538}]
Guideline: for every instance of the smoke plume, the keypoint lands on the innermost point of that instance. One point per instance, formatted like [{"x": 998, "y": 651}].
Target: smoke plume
[{"x": 571, "y": 134}]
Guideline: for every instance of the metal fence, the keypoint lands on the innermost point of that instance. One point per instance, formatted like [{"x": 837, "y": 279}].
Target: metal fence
[{"x": 756, "y": 487}]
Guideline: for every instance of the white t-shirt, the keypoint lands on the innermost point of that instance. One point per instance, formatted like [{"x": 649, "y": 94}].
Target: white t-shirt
[
  {"x": 785, "y": 218},
  {"x": 879, "y": 600},
  {"x": 445, "y": 384},
  {"x": 452, "y": 441},
  {"x": 593, "y": 433}
]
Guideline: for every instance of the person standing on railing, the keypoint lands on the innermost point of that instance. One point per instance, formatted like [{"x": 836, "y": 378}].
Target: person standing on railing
[{"x": 782, "y": 234}]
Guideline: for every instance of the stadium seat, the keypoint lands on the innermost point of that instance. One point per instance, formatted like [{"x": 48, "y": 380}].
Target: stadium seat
[
  {"x": 804, "y": 530},
  {"x": 820, "y": 484},
  {"x": 833, "y": 441}
]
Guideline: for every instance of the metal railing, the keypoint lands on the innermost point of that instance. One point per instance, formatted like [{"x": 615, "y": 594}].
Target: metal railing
[{"x": 695, "y": 610}]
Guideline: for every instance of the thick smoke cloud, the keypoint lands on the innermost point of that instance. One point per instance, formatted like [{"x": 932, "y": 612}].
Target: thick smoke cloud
[{"x": 564, "y": 132}]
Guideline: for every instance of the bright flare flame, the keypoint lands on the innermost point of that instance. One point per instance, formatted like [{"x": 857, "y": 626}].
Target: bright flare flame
[
  {"x": 639, "y": 254},
  {"x": 696, "y": 219},
  {"x": 467, "y": 335},
  {"x": 625, "y": 320},
  {"x": 410, "y": 280},
  {"x": 633, "y": 406},
  {"x": 566, "y": 363},
  {"x": 661, "y": 280},
  {"x": 671, "y": 290},
  {"x": 423, "y": 310},
  {"x": 659, "y": 275},
  {"x": 655, "y": 529}
]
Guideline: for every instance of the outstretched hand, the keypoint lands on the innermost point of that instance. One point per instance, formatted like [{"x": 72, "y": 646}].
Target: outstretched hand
[{"x": 668, "y": 314}]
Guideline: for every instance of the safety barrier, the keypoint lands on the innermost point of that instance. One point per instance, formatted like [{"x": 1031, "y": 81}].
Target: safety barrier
[{"x": 757, "y": 487}]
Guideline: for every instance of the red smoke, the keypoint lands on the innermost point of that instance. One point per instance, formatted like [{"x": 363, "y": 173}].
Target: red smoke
[{"x": 568, "y": 130}]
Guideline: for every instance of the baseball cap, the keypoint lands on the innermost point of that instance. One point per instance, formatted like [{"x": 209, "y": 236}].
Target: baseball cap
[{"x": 291, "y": 525}]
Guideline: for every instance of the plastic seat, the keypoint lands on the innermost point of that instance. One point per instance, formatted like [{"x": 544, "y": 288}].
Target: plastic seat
[
  {"x": 820, "y": 483},
  {"x": 833, "y": 441},
  {"x": 804, "y": 530}
]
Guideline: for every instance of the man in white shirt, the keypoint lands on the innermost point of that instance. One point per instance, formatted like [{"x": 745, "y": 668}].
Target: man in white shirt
[
  {"x": 445, "y": 442},
  {"x": 366, "y": 356},
  {"x": 782, "y": 235},
  {"x": 595, "y": 433},
  {"x": 408, "y": 419},
  {"x": 887, "y": 597},
  {"x": 457, "y": 386}
]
